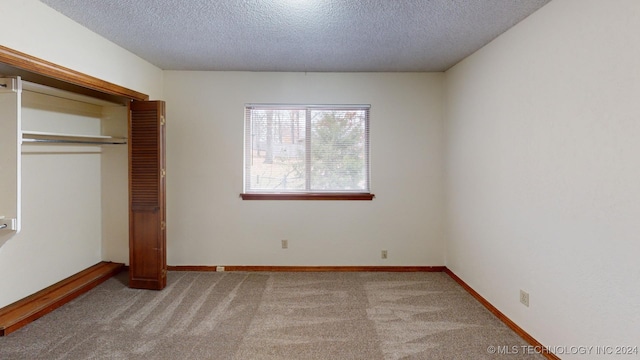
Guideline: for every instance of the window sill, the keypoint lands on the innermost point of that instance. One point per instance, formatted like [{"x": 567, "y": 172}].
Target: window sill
[{"x": 308, "y": 196}]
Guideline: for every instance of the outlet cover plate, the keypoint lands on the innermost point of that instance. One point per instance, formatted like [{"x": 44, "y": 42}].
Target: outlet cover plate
[{"x": 524, "y": 298}]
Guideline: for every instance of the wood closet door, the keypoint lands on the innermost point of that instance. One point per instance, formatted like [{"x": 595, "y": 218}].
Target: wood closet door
[{"x": 147, "y": 226}]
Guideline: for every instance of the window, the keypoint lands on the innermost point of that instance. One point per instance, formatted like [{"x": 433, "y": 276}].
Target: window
[{"x": 306, "y": 152}]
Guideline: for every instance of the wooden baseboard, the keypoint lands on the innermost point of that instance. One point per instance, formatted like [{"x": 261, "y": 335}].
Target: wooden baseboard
[
  {"x": 309, "y": 268},
  {"x": 513, "y": 326},
  {"x": 22, "y": 312}
]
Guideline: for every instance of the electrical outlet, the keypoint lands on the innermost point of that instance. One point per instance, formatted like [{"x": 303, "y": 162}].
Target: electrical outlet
[
  {"x": 219, "y": 268},
  {"x": 383, "y": 254},
  {"x": 285, "y": 244},
  {"x": 524, "y": 298}
]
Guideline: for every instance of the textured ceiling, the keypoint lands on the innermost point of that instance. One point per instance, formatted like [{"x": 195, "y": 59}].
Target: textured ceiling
[{"x": 299, "y": 35}]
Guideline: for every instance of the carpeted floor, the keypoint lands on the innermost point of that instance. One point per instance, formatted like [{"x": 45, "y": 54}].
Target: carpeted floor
[{"x": 238, "y": 315}]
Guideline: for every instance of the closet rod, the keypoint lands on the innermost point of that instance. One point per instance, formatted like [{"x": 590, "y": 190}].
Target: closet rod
[
  {"x": 87, "y": 142},
  {"x": 64, "y": 94}
]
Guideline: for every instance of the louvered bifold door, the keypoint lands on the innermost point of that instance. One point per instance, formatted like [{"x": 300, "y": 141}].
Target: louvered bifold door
[{"x": 147, "y": 223}]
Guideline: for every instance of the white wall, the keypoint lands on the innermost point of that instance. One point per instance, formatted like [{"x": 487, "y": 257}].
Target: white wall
[
  {"x": 62, "y": 193},
  {"x": 542, "y": 172},
  {"x": 33, "y": 28},
  {"x": 208, "y": 223}
]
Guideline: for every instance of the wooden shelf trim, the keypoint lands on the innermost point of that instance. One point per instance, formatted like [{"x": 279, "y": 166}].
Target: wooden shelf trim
[
  {"x": 48, "y": 69},
  {"x": 308, "y": 196},
  {"x": 311, "y": 268},
  {"x": 22, "y": 312}
]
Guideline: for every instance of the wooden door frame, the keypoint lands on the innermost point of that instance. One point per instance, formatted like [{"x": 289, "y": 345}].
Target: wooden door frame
[{"x": 31, "y": 68}]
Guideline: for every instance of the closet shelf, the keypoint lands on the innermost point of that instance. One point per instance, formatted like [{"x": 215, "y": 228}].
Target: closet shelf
[{"x": 56, "y": 138}]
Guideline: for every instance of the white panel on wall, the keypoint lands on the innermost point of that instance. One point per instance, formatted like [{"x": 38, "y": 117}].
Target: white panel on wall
[
  {"x": 542, "y": 173},
  {"x": 10, "y": 107},
  {"x": 208, "y": 223},
  {"x": 61, "y": 216}
]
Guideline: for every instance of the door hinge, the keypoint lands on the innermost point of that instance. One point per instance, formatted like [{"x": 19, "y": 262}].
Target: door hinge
[
  {"x": 162, "y": 121},
  {"x": 163, "y": 225},
  {"x": 163, "y": 172}
]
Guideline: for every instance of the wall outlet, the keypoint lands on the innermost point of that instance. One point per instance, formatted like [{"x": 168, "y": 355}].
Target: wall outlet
[
  {"x": 285, "y": 244},
  {"x": 219, "y": 268},
  {"x": 383, "y": 254},
  {"x": 524, "y": 298}
]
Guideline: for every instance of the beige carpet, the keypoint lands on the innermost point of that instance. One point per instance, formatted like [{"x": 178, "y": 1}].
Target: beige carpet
[{"x": 237, "y": 315}]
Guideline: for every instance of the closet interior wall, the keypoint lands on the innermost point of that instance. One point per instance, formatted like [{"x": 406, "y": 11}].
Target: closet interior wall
[{"x": 74, "y": 196}]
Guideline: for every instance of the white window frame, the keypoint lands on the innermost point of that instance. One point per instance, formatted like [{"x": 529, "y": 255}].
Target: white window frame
[{"x": 307, "y": 193}]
